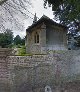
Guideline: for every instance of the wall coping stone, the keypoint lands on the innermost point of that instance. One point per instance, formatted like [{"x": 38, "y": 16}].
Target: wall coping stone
[{"x": 5, "y": 52}]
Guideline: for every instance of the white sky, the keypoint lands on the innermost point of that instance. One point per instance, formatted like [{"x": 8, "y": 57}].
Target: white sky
[{"x": 38, "y": 8}]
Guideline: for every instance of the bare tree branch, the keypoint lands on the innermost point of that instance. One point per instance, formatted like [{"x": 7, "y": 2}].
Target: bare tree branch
[
  {"x": 13, "y": 10},
  {"x": 2, "y": 1}
]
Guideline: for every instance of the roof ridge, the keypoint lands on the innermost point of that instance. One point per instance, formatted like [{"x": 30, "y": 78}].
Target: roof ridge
[{"x": 44, "y": 16}]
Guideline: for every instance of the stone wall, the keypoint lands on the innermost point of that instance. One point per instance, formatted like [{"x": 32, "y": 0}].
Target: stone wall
[
  {"x": 31, "y": 46},
  {"x": 59, "y": 70},
  {"x": 4, "y": 82},
  {"x": 51, "y": 37}
]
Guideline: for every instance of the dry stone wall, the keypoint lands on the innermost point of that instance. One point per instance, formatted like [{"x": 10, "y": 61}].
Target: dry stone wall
[
  {"x": 59, "y": 70},
  {"x": 4, "y": 73}
]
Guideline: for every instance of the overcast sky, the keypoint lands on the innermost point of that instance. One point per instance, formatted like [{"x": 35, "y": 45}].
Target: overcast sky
[{"x": 38, "y": 8}]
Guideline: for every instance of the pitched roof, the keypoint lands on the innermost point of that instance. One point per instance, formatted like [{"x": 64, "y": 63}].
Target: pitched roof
[{"x": 46, "y": 20}]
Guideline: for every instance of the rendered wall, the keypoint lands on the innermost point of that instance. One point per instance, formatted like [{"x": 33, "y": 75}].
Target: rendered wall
[{"x": 56, "y": 38}]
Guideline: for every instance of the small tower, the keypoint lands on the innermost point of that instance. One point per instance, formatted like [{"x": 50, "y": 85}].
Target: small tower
[{"x": 35, "y": 18}]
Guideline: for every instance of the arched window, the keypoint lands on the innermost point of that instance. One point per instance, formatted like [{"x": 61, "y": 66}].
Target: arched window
[{"x": 36, "y": 38}]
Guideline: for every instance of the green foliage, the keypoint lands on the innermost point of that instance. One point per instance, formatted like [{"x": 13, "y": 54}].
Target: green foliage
[
  {"x": 22, "y": 51},
  {"x": 18, "y": 46},
  {"x": 6, "y": 39},
  {"x": 23, "y": 41},
  {"x": 19, "y": 41},
  {"x": 66, "y": 11}
]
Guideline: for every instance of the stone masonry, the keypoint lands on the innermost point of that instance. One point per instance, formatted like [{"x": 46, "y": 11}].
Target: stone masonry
[
  {"x": 45, "y": 35},
  {"x": 59, "y": 70}
]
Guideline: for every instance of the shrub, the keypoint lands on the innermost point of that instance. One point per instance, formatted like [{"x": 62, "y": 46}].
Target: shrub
[{"x": 22, "y": 50}]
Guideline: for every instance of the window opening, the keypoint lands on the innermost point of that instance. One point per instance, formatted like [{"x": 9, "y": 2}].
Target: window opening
[{"x": 36, "y": 38}]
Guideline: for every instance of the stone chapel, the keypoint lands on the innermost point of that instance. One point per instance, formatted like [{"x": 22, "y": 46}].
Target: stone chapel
[{"x": 45, "y": 35}]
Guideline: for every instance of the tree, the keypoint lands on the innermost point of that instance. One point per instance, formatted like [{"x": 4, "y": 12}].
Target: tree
[
  {"x": 12, "y": 11},
  {"x": 17, "y": 40},
  {"x": 6, "y": 38},
  {"x": 23, "y": 41},
  {"x": 2, "y": 1},
  {"x": 67, "y": 11}
]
